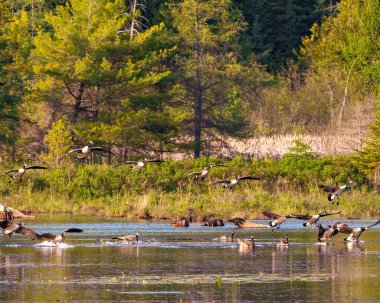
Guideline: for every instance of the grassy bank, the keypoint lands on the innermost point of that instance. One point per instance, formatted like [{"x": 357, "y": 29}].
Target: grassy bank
[{"x": 289, "y": 185}]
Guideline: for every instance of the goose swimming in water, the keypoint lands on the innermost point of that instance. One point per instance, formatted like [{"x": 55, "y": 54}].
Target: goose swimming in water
[
  {"x": 138, "y": 165},
  {"x": 202, "y": 174},
  {"x": 233, "y": 182},
  {"x": 283, "y": 242},
  {"x": 313, "y": 219},
  {"x": 19, "y": 172},
  {"x": 334, "y": 192},
  {"x": 354, "y": 233},
  {"x": 247, "y": 244},
  {"x": 84, "y": 152},
  {"x": 129, "y": 238},
  {"x": 225, "y": 238}
]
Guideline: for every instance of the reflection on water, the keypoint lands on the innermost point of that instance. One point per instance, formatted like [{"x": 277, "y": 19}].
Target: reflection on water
[{"x": 192, "y": 265}]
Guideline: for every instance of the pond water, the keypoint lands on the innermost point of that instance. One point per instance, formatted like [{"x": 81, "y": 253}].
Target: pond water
[{"x": 187, "y": 265}]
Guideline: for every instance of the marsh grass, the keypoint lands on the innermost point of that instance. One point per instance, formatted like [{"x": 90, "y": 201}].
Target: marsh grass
[{"x": 289, "y": 185}]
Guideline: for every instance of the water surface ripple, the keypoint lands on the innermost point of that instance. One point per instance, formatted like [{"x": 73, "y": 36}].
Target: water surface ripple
[{"x": 186, "y": 265}]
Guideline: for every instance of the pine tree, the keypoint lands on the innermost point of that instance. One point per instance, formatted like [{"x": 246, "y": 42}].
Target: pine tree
[{"x": 210, "y": 76}]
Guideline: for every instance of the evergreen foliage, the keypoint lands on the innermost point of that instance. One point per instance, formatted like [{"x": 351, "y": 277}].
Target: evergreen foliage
[{"x": 192, "y": 74}]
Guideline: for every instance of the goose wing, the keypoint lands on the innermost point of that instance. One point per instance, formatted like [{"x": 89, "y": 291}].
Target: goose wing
[
  {"x": 300, "y": 217},
  {"x": 10, "y": 171},
  {"x": 154, "y": 160},
  {"x": 377, "y": 222},
  {"x": 328, "y": 189},
  {"x": 192, "y": 173},
  {"x": 28, "y": 232},
  {"x": 98, "y": 148},
  {"x": 35, "y": 167},
  {"x": 223, "y": 181},
  {"x": 271, "y": 215},
  {"x": 126, "y": 162},
  {"x": 324, "y": 214},
  {"x": 248, "y": 178},
  {"x": 73, "y": 230},
  {"x": 76, "y": 150}
]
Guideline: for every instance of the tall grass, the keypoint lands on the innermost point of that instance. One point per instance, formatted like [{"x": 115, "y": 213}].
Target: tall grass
[{"x": 289, "y": 185}]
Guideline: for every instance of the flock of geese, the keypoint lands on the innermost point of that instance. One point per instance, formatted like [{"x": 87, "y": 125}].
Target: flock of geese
[
  {"x": 324, "y": 234},
  {"x": 9, "y": 226},
  {"x": 334, "y": 192}
]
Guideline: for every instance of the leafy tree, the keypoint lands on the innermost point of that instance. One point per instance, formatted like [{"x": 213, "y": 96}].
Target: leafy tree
[
  {"x": 91, "y": 68},
  {"x": 347, "y": 44},
  {"x": 210, "y": 82},
  {"x": 367, "y": 159},
  {"x": 59, "y": 140},
  {"x": 15, "y": 47}
]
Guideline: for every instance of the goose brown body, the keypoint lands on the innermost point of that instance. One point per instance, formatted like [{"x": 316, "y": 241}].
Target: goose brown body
[{"x": 128, "y": 238}]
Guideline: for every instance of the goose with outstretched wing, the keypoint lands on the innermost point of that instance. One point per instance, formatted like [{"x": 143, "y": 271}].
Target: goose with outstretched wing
[
  {"x": 334, "y": 192},
  {"x": 138, "y": 165},
  {"x": 18, "y": 173},
  {"x": 313, "y": 219},
  {"x": 202, "y": 174},
  {"x": 230, "y": 184},
  {"x": 277, "y": 220},
  {"x": 355, "y": 232},
  {"x": 83, "y": 152},
  {"x": 60, "y": 237}
]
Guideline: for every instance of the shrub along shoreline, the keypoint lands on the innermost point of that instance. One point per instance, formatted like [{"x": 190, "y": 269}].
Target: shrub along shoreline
[{"x": 288, "y": 185}]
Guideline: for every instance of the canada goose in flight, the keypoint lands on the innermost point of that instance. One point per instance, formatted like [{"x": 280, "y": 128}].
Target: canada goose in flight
[
  {"x": 327, "y": 233},
  {"x": 202, "y": 174},
  {"x": 138, "y": 165},
  {"x": 334, "y": 192},
  {"x": 283, "y": 242},
  {"x": 247, "y": 243},
  {"x": 60, "y": 237},
  {"x": 19, "y": 172},
  {"x": 313, "y": 219},
  {"x": 278, "y": 219},
  {"x": 129, "y": 238},
  {"x": 225, "y": 238},
  {"x": 233, "y": 182},
  {"x": 354, "y": 233},
  {"x": 84, "y": 152}
]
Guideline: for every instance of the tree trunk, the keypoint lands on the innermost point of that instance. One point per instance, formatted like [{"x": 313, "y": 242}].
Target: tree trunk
[
  {"x": 198, "y": 114},
  {"x": 78, "y": 104},
  {"x": 198, "y": 118}
]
